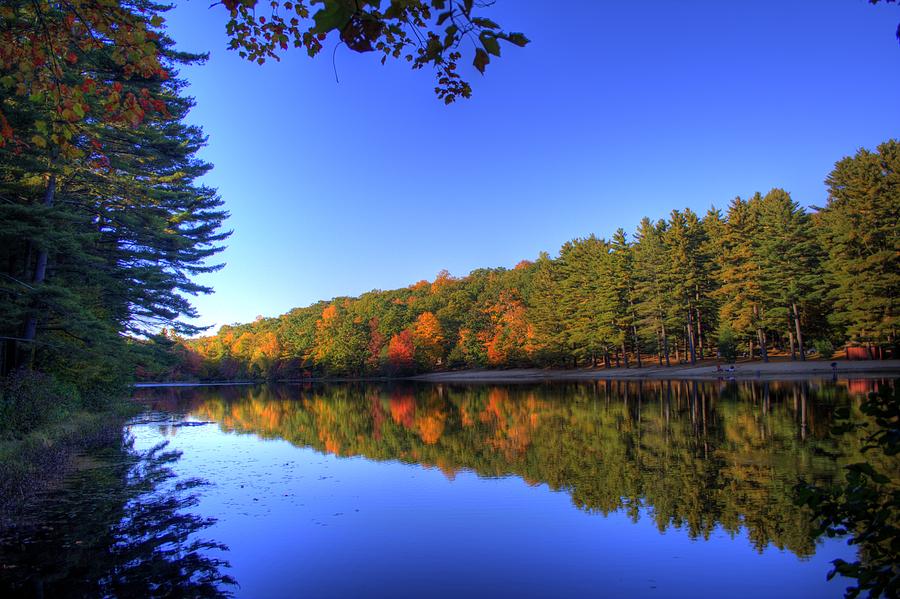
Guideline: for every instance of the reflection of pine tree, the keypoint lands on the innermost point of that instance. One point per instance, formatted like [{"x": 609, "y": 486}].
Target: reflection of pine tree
[{"x": 121, "y": 528}]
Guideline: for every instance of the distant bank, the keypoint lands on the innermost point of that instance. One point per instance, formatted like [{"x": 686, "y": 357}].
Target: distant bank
[{"x": 742, "y": 371}]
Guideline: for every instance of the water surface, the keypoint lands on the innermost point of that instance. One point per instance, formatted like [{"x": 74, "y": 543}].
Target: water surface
[{"x": 654, "y": 489}]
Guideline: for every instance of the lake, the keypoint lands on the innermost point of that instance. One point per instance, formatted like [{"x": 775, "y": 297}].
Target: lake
[{"x": 605, "y": 489}]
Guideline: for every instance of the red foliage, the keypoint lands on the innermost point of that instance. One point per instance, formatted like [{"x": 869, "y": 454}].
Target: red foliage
[
  {"x": 403, "y": 409},
  {"x": 401, "y": 350}
]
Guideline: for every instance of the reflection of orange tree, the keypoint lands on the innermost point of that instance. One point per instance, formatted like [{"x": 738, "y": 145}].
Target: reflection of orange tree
[{"x": 698, "y": 456}]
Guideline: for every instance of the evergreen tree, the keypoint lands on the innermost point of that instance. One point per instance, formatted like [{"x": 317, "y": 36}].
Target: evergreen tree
[
  {"x": 741, "y": 290},
  {"x": 103, "y": 221},
  {"x": 651, "y": 279},
  {"x": 859, "y": 228},
  {"x": 624, "y": 283},
  {"x": 790, "y": 259}
]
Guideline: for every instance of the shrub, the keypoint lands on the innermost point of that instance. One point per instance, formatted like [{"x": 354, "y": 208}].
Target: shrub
[
  {"x": 727, "y": 344},
  {"x": 30, "y": 399},
  {"x": 824, "y": 348}
]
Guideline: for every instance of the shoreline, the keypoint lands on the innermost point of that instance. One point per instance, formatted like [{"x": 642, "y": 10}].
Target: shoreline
[
  {"x": 743, "y": 371},
  {"x": 763, "y": 371}
]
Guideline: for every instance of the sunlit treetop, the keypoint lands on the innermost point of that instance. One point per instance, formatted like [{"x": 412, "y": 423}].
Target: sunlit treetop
[{"x": 422, "y": 32}]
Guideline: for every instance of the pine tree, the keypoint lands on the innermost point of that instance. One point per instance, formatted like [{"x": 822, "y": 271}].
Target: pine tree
[
  {"x": 623, "y": 280},
  {"x": 741, "y": 293},
  {"x": 651, "y": 267},
  {"x": 103, "y": 222},
  {"x": 544, "y": 308},
  {"x": 790, "y": 259},
  {"x": 859, "y": 228}
]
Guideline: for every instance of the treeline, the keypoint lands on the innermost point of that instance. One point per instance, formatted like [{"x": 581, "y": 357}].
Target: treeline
[
  {"x": 102, "y": 219},
  {"x": 764, "y": 275}
]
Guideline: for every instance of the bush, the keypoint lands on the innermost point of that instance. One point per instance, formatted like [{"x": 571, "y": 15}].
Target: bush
[
  {"x": 727, "y": 344},
  {"x": 30, "y": 399},
  {"x": 824, "y": 348}
]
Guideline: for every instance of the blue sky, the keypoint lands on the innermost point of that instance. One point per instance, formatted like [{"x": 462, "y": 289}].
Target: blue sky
[{"x": 616, "y": 110}]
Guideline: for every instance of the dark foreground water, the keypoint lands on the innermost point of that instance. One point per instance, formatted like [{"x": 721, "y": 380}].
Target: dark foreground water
[{"x": 658, "y": 489}]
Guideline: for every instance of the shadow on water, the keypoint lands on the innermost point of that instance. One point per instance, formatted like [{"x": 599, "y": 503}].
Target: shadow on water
[{"x": 119, "y": 526}]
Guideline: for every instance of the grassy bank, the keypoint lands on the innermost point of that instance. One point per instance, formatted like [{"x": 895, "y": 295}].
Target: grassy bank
[{"x": 44, "y": 425}]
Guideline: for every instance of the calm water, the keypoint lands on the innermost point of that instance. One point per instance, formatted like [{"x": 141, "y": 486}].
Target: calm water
[{"x": 659, "y": 489}]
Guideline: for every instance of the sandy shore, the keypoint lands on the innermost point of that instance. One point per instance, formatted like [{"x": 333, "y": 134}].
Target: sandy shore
[{"x": 743, "y": 371}]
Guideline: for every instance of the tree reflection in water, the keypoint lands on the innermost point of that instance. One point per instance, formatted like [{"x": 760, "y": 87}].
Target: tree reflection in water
[
  {"x": 120, "y": 527},
  {"x": 691, "y": 455}
]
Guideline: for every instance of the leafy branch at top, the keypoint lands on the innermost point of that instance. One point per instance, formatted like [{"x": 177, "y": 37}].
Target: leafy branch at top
[{"x": 422, "y": 32}]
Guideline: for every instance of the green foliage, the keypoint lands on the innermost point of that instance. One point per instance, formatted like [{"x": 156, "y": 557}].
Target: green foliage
[
  {"x": 824, "y": 347},
  {"x": 866, "y": 505},
  {"x": 30, "y": 400},
  {"x": 727, "y": 343},
  {"x": 860, "y": 232},
  {"x": 103, "y": 225}
]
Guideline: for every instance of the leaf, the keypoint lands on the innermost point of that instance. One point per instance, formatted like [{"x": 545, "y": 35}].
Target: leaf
[
  {"x": 485, "y": 23},
  {"x": 490, "y": 43},
  {"x": 335, "y": 15},
  {"x": 481, "y": 60},
  {"x": 518, "y": 39}
]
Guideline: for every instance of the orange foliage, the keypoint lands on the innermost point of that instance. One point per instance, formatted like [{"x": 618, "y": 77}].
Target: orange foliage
[
  {"x": 523, "y": 265},
  {"x": 427, "y": 330},
  {"x": 430, "y": 424},
  {"x": 442, "y": 279},
  {"x": 401, "y": 350},
  {"x": 268, "y": 346},
  {"x": 428, "y": 337},
  {"x": 511, "y": 335},
  {"x": 403, "y": 409},
  {"x": 329, "y": 313}
]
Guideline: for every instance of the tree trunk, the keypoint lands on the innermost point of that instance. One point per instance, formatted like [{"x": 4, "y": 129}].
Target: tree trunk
[
  {"x": 799, "y": 333},
  {"x": 659, "y": 347},
  {"x": 763, "y": 353},
  {"x": 793, "y": 350},
  {"x": 700, "y": 349},
  {"x": 617, "y": 358},
  {"x": 751, "y": 348},
  {"x": 760, "y": 336},
  {"x": 665, "y": 340},
  {"x": 637, "y": 346},
  {"x": 40, "y": 270},
  {"x": 691, "y": 336},
  {"x": 624, "y": 353}
]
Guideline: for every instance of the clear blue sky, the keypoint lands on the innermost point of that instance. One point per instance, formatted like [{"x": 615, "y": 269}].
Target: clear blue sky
[{"x": 616, "y": 110}]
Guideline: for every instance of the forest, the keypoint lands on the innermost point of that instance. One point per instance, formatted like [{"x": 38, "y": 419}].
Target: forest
[{"x": 763, "y": 276}]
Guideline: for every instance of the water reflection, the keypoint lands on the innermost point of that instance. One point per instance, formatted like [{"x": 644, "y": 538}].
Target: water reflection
[
  {"x": 120, "y": 527},
  {"x": 691, "y": 455}
]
